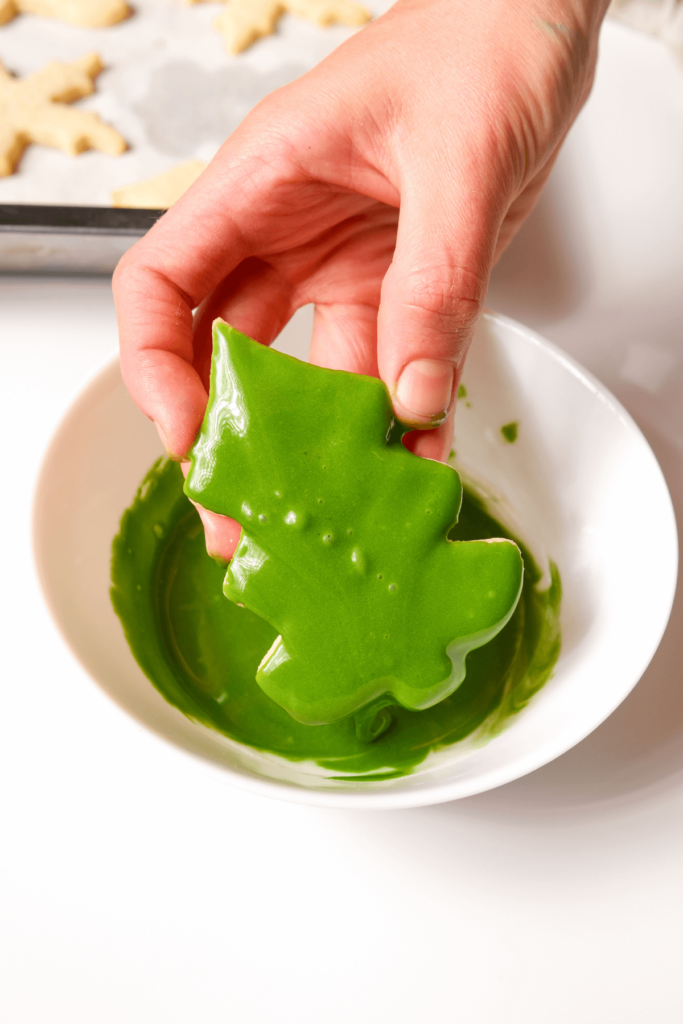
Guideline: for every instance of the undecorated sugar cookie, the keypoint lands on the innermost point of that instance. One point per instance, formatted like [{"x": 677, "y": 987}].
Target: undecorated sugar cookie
[
  {"x": 242, "y": 22},
  {"x": 86, "y": 13},
  {"x": 162, "y": 191},
  {"x": 33, "y": 110}
]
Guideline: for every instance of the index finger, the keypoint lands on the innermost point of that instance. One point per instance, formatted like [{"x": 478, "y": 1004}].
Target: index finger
[{"x": 157, "y": 285}]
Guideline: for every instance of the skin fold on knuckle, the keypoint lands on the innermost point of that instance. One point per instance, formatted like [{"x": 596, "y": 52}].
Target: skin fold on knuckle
[{"x": 442, "y": 302}]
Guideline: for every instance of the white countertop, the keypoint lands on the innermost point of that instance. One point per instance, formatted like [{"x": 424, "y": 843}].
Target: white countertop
[{"x": 136, "y": 886}]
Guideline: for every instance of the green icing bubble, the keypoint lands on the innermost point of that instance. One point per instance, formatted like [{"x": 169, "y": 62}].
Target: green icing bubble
[
  {"x": 344, "y": 547},
  {"x": 202, "y": 652}
]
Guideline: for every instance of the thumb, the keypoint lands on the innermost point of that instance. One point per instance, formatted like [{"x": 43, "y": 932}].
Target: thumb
[{"x": 432, "y": 296}]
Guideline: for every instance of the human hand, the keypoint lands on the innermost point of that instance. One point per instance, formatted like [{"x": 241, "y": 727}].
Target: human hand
[{"x": 380, "y": 186}]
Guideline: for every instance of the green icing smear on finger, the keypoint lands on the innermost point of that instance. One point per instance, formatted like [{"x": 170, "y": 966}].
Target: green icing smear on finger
[
  {"x": 344, "y": 547},
  {"x": 202, "y": 652}
]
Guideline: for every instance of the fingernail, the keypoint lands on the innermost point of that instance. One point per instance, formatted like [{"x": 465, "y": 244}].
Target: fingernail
[
  {"x": 162, "y": 435},
  {"x": 424, "y": 388},
  {"x": 222, "y": 534},
  {"x": 211, "y": 534}
]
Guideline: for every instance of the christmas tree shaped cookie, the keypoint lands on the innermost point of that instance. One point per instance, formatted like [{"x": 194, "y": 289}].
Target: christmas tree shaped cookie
[
  {"x": 344, "y": 545},
  {"x": 34, "y": 109}
]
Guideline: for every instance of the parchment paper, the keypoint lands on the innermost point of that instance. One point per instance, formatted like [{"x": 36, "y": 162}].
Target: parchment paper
[{"x": 168, "y": 86}]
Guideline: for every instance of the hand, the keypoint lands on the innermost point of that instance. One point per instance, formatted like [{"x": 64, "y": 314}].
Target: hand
[{"x": 380, "y": 186}]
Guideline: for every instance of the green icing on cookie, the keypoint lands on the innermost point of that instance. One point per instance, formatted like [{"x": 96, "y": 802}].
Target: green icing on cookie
[{"x": 344, "y": 547}]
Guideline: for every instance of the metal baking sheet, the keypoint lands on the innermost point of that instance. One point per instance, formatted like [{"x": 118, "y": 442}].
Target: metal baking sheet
[{"x": 68, "y": 239}]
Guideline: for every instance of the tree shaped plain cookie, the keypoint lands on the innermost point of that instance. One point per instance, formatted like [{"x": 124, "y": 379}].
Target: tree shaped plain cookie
[
  {"x": 242, "y": 22},
  {"x": 33, "y": 110},
  {"x": 86, "y": 13},
  {"x": 344, "y": 545}
]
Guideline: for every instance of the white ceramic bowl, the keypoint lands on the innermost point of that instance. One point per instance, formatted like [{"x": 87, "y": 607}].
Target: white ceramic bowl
[{"x": 580, "y": 486}]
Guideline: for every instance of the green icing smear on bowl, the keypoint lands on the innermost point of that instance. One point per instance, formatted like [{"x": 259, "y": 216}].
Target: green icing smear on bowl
[
  {"x": 510, "y": 431},
  {"x": 202, "y": 652}
]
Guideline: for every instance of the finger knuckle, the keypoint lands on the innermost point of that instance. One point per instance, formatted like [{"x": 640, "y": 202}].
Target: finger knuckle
[
  {"x": 125, "y": 279},
  {"x": 446, "y": 298},
  {"x": 122, "y": 271}
]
